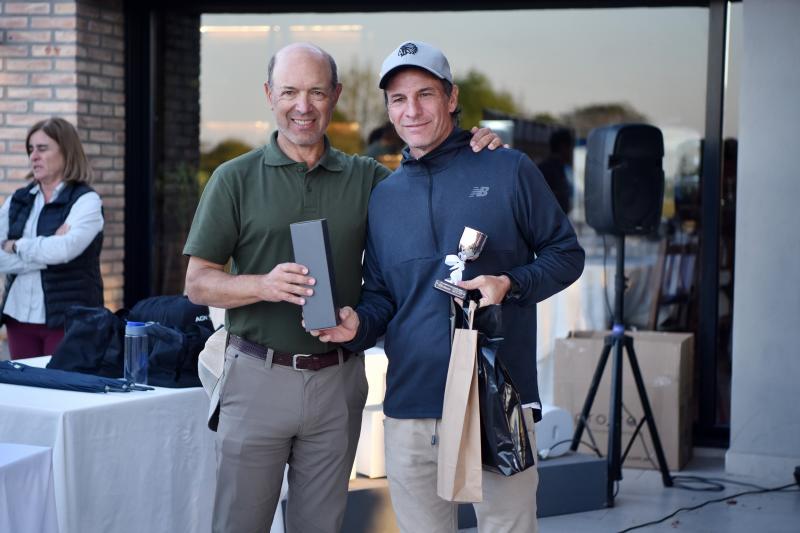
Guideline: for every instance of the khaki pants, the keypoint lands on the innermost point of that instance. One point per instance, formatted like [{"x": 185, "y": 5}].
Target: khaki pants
[
  {"x": 509, "y": 503},
  {"x": 271, "y": 415}
]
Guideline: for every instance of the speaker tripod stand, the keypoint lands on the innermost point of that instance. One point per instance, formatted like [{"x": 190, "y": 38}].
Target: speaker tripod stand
[{"x": 617, "y": 341}]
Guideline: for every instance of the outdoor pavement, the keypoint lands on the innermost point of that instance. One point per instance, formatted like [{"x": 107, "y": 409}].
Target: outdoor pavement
[{"x": 642, "y": 498}]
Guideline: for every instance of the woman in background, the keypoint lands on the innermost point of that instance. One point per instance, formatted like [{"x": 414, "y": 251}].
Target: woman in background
[{"x": 53, "y": 233}]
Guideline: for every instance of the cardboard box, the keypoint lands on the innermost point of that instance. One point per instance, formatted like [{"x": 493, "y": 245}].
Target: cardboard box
[
  {"x": 370, "y": 458},
  {"x": 666, "y": 363}
]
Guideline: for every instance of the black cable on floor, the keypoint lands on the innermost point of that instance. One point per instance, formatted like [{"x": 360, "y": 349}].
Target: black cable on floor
[
  {"x": 713, "y": 484},
  {"x": 685, "y": 482},
  {"x": 587, "y": 444},
  {"x": 723, "y": 480},
  {"x": 699, "y": 484},
  {"x": 717, "y": 500}
]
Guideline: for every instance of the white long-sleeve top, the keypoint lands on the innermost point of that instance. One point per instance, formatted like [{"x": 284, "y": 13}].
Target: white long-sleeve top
[{"x": 25, "y": 301}]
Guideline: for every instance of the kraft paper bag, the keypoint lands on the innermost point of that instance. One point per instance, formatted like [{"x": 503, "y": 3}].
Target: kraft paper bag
[{"x": 459, "y": 464}]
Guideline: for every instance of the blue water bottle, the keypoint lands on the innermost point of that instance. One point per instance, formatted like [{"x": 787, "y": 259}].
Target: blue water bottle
[{"x": 136, "y": 352}]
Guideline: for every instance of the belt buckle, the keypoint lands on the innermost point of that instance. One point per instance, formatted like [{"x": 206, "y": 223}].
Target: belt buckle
[{"x": 295, "y": 357}]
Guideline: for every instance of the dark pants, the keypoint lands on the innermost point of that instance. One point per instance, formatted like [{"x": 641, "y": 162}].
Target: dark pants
[{"x": 31, "y": 340}]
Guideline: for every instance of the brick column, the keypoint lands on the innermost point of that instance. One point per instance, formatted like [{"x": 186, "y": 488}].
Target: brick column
[
  {"x": 178, "y": 147},
  {"x": 67, "y": 59}
]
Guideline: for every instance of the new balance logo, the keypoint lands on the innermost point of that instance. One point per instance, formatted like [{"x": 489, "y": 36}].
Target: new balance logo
[{"x": 479, "y": 192}]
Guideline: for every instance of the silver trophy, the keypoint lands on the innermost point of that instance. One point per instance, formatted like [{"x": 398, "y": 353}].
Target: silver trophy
[{"x": 469, "y": 248}]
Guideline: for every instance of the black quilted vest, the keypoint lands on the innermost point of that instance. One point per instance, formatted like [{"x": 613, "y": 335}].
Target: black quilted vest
[{"x": 77, "y": 282}]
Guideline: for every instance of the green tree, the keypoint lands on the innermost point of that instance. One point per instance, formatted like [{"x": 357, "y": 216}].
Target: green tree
[
  {"x": 546, "y": 118},
  {"x": 223, "y": 151},
  {"x": 177, "y": 192},
  {"x": 475, "y": 93},
  {"x": 584, "y": 119},
  {"x": 361, "y": 102}
]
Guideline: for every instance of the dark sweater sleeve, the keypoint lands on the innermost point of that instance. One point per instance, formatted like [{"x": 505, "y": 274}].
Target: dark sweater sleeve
[
  {"x": 376, "y": 307},
  {"x": 559, "y": 258}
]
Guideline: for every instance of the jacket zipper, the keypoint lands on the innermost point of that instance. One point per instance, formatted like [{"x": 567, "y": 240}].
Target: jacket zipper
[{"x": 430, "y": 207}]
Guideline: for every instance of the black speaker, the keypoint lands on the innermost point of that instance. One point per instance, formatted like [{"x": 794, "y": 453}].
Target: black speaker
[{"x": 624, "y": 179}]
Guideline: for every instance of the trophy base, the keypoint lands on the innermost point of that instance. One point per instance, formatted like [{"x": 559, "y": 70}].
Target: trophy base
[{"x": 453, "y": 290}]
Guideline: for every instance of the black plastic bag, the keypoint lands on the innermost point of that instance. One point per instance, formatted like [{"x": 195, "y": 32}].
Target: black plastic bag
[{"x": 505, "y": 446}]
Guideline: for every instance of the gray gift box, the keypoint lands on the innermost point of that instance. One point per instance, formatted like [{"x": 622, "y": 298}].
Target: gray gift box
[{"x": 312, "y": 249}]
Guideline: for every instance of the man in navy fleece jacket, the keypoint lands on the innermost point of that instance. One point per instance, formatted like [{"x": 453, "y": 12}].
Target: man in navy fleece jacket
[{"x": 416, "y": 217}]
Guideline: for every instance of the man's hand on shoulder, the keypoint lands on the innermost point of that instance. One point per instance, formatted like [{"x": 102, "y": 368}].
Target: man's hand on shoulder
[
  {"x": 8, "y": 246},
  {"x": 493, "y": 288},
  {"x": 287, "y": 282},
  {"x": 484, "y": 138},
  {"x": 344, "y": 332}
]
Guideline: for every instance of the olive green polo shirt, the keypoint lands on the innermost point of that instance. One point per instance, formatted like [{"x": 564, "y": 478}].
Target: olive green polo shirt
[{"x": 245, "y": 212}]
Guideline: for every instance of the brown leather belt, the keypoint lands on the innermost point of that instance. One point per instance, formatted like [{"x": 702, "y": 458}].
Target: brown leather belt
[{"x": 297, "y": 361}]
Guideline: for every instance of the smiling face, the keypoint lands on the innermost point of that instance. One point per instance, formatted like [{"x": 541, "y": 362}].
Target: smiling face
[
  {"x": 47, "y": 161},
  {"x": 302, "y": 96},
  {"x": 420, "y": 109}
]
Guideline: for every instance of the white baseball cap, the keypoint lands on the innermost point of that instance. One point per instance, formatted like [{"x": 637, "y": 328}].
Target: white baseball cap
[{"x": 416, "y": 54}]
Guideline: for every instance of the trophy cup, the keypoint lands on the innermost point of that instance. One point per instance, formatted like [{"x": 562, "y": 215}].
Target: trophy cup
[{"x": 469, "y": 248}]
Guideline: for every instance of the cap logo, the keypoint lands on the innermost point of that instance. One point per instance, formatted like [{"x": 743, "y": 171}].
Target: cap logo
[{"x": 408, "y": 48}]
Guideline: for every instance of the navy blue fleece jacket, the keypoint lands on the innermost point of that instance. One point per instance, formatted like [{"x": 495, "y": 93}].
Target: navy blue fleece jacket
[{"x": 416, "y": 217}]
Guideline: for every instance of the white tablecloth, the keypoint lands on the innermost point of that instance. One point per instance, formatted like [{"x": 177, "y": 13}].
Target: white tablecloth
[
  {"x": 26, "y": 489},
  {"x": 122, "y": 462}
]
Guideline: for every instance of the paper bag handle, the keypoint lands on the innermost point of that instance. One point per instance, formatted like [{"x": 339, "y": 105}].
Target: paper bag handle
[{"x": 469, "y": 308}]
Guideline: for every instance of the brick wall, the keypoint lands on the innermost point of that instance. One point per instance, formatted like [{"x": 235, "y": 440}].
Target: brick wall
[
  {"x": 67, "y": 59},
  {"x": 177, "y": 147}
]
